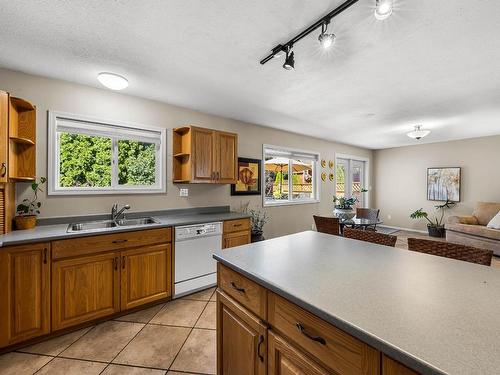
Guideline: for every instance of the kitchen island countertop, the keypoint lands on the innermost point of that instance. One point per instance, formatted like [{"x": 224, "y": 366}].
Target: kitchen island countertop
[{"x": 433, "y": 314}]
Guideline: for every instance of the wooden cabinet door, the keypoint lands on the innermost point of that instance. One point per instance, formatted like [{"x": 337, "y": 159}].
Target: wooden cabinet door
[
  {"x": 284, "y": 359},
  {"x": 236, "y": 239},
  {"x": 391, "y": 367},
  {"x": 226, "y": 158},
  {"x": 146, "y": 275},
  {"x": 241, "y": 340},
  {"x": 25, "y": 292},
  {"x": 4, "y": 135},
  {"x": 203, "y": 155},
  {"x": 85, "y": 288}
]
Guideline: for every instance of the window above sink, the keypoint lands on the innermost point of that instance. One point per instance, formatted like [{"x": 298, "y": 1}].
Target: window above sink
[{"x": 93, "y": 156}]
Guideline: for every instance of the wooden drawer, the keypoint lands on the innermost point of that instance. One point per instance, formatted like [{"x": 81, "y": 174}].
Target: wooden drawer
[
  {"x": 245, "y": 291},
  {"x": 333, "y": 347},
  {"x": 106, "y": 242},
  {"x": 236, "y": 225}
]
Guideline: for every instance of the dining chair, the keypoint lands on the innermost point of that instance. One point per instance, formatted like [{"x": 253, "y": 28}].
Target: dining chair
[
  {"x": 329, "y": 225},
  {"x": 370, "y": 214},
  {"x": 370, "y": 236},
  {"x": 451, "y": 250}
]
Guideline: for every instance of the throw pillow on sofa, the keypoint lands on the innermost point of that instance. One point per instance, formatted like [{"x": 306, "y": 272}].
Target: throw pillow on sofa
[
  {"x": 470, "y": 220},
  {"x": 495, "y": 222}
]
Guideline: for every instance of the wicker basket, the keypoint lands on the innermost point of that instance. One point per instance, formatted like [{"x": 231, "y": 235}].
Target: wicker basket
[{"x": 25, "y": 222}]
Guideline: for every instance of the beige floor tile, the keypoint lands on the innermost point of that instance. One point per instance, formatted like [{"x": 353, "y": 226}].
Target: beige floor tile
[
  {"x": 214, "y": 298},
  {"x": 21, "y": 363},
  {"x": 155, "y": 346},
  {"x": 208, "y": 317},
  {"x": 141, "y": 316},
  {"x": 104, "y": 341},
  {"x": 181, "y": 312},
  {"x": 64, "y": 366},
  {"x": 203, "y": 295},
  {"x": 198, "y": 353},
  {"x": 56, "y": 345},
  {"x": 129, "y": 370}
]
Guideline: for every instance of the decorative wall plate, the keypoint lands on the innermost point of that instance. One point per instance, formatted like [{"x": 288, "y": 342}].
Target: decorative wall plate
[
  {"x": 323, "y": 176},
  {"x": 330, "y": 164},
  {"x": 323, "y": 163},
  {"x": 331, "y": 176}
]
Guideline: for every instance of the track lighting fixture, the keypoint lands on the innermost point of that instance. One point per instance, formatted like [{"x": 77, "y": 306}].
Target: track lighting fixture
[
  {"x": 418, "y": 133},
  {"x": 326, "y": 40},
  {"x": 289, "y": 60},
  {"x": 383, "y": 9}
]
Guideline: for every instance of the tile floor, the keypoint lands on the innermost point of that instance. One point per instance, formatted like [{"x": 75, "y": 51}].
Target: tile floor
[{"x": 174, "y": 338}]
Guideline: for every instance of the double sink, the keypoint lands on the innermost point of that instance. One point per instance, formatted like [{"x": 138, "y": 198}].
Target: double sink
[{"x": 90, "y": 226}]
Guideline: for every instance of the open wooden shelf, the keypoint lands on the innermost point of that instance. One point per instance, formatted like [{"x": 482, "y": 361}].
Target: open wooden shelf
[
  {"x": 25, "y": 141},
  {"x": 22, "y": 179},
  {"x": 182, "y": 155}
]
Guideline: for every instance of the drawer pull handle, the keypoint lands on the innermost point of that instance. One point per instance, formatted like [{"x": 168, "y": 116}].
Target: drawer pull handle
[
  {"x": 119, "y": 241},
  {"x": 123, "y": 262},
  {"x": 3, "y": 168},
  {"x": 115, "y": 263},
  {"x": 242, "y": 290},
  {"x": 261, "y": 341},
  {"x": 45, "y": 256},
  {"x": 302, "y": 330},
  {"x": 237, "y": 225}
]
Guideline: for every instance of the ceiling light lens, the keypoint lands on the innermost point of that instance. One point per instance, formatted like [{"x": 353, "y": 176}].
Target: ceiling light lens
[
  {"x": 326, "y": 40},
  {"x": 289, "y": 61},
  {"x": 112, "y": 81},
  {"x": 383, "y": 9},
  {"x": 418, "y": 133}
]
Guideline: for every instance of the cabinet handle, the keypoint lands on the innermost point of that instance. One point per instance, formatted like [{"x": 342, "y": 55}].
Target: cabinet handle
[
  {"x": 237, "y": 225},
  {"x": 119, "y": 241},
  {"x": 302, "y": 330},
  {"x": 261, "y": 341},
  {"x": 45, "y": 256},
  {"x": 242, "y": 290},
  {"x": 115, "y": 263},
  {"x": 3, "y": 168},
  {"x": 123, "y": 262}
]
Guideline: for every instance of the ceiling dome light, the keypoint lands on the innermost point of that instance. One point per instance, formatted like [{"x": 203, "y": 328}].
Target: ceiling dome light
[
  {"x": 418, "y": 132},
  {"x": 326, "y": 40},
  {"x": 289, "y": 61},
  {"x": 112, "y": 81},
  {"x": 383, "y": 9}
]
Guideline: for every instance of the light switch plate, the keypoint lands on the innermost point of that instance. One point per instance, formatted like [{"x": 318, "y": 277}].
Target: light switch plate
[{"x": 184, "y": 192}]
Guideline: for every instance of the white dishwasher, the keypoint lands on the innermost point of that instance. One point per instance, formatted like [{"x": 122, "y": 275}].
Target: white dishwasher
[{"x": 195, "y": 269}]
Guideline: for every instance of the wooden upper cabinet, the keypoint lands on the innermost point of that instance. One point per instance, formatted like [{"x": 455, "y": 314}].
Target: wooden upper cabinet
[
  {"x": 25, "y": 292},
  {"x": 145, "y": 275},
  {"x": 204, "y": 156},
  {"x": 85, "y": 288},
  {"x": 241, "y": 340},
  {"x": 4, "y": 135}
]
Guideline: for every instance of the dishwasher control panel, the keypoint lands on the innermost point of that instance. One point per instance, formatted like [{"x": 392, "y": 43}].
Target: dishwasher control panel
[{"x": 198, "y": 230}]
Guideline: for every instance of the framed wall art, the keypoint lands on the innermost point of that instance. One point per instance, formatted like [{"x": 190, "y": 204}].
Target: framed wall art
[
  {"x": 249, "y": 177},
  {"x": 443, "y": 184}
]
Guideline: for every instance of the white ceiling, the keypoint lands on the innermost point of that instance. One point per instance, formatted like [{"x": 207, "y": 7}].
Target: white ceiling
[{"x": 434, "y": 63}]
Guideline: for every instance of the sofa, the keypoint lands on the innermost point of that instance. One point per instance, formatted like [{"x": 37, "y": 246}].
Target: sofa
[{"x": 472, "y": 230}]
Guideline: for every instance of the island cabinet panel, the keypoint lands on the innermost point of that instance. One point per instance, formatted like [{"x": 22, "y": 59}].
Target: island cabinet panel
[
  {"x": 241, "y": 340},
  {"x": 204, "y": 157},
  {"x": 391, "y": 367},
  {"x": 25, "y": 292},
  {"x": 331, "y": 346},
  {"x": 226, "y": 156},
  {"x": 145, "y": 275},
  {"x": 250, "y": 294},
  {"x": 284, "y": 359},
  {"x": 85, "y": 288}
]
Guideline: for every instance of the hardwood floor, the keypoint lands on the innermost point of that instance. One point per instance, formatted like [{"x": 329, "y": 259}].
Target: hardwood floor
[{"x": 402, "y": 243}]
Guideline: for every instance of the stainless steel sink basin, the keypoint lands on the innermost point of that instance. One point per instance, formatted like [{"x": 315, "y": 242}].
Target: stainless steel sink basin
[{"x": 97, "y": 226}]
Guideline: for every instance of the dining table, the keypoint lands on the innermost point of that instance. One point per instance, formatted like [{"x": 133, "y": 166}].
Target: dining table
[{"x": 357, "y": 222}]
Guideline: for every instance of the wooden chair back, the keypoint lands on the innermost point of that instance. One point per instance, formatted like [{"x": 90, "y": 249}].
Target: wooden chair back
[
  {"x": 451, "y": 250},
  {"x": 367, "y": 213},
  {"x": 329, "y": 225},
  {"x": 370, "y": 236}
]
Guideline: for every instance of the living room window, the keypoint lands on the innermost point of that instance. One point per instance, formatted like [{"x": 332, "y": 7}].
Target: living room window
[
  {"x": 90, "y": 156},
  {"x": 290, "y": 176}
]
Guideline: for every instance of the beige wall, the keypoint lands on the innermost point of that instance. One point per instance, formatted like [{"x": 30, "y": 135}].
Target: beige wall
[
  {"x": 68, "y": 97},
  {"x": 400, "y": 177}
]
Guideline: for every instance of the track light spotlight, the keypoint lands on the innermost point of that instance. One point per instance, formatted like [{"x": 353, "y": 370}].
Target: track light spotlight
[
  {"x": 289, "y": 60},
  {"x": 383, "y": 9},
  {"x": 326, "y": 40}
]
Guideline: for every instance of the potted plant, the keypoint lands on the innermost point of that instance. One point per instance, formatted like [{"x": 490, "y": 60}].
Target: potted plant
[
  {"x": 344, "y": 207},
  {"x": 28, "y": 210},
  {"x": 258, "y": 220},
  {"x": 434, "y": 227}
]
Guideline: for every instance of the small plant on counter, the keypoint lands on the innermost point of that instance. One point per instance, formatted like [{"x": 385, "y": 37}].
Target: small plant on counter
[
  {"x": 435, "y": 227},
  {"x": 28, "y": 210}
]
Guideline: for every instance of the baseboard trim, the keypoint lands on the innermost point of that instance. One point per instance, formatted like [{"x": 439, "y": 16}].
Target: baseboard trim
[{"x": 405, "y": 229}]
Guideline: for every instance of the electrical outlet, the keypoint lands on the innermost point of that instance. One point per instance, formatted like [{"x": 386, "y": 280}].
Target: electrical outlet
[
  {"x": 389, "y": 217},
  {"x": 184, "y": 192}
]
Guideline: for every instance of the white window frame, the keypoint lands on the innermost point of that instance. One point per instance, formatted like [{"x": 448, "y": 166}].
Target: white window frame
[
  {"x": 366, "y": 176},
  {"x": 290, "y": 201},
  {"x": 54, "y": 165}
]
